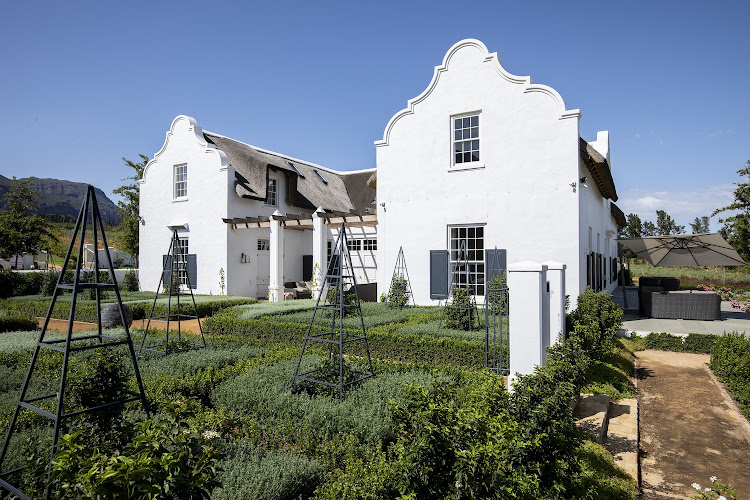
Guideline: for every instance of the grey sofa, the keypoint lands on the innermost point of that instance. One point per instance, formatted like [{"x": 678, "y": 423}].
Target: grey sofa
[
  {"x": 686, "y": 304},
  {"x": 300, "y": 289}
]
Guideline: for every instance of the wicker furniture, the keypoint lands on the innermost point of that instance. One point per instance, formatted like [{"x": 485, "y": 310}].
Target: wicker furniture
[{"x": 687, "y": 304}]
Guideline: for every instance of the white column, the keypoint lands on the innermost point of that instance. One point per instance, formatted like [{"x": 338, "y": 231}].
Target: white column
[
  {"x": 527, "y": 286},
  {"x": 556, "y": 278},
  {"x": 320, "y": 251},
  {"x": 276, "y": 260}
]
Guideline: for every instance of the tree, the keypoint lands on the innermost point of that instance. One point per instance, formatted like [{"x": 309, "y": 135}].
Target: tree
[
  {"x": 633, "y": 228},
  {"x": 128, "y": 206},
  {"x": 649, "y": 229},
  {"x": 700, "y": 225},
  {"x": 665, "y": 224},
  {"x": 21, "y": 231},
  {"x": 737, "y": 226}
]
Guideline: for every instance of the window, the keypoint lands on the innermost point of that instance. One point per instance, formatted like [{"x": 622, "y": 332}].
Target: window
[
  {"x": 321, "y": 177},
  {"x": 272, "y": 192},
  {"x": 264, "y": 244},
  {"x": 180, "y": 181},
  {"x": 473, "y": 239},
  {"x": 465, "y": 139},
  {"x": 354, "y": 245},
  {"x": 296, "y": 170},
  {"x": 182, "y": 254},
  {"x": 370, "y": 244}
]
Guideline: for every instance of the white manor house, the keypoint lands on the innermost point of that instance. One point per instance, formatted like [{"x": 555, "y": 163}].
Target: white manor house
[{"x": 481, "y": 157}]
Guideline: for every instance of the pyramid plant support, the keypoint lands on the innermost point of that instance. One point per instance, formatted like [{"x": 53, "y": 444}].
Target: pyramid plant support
[
  {"x": 332, "y": 299},
  {"x": 496, "y": 335},
  {"x": 460, "y": 281},
  {"x": 66, "y": 345},
  {"x": 400, "y": 274},
  {"x": 174, "y": 267}
]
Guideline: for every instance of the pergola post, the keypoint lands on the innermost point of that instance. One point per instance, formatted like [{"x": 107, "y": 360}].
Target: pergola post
[
  {"x": 320, "y": 257},
  {"x": 276, "y": 261},
  {"x": 556, "y": 278}
]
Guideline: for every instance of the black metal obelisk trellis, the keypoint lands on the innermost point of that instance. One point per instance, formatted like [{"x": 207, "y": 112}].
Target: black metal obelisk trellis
[
  {"x": 175, "y": 268},
  {"x": 340, "y": 281},
  {"x": 70, "y": 343},
  {"x": 496, "y": 337},
  {"x": 458, "y": 304},
  {"x": 400, "y": 277}
]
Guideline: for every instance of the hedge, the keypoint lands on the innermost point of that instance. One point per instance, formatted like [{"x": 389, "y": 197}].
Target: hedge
[
  {"x": 16, "y": 324},
  {"x": 731, "y": 364},
  {"x": 694, "y": 342}
]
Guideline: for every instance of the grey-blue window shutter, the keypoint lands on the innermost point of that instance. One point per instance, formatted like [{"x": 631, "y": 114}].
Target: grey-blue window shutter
[
  {"x": 439, "y": 263},
  {"x": 495, "y": 263},
  {"x": 166, "y": 261},
  {"x": 192, "y": 270}
]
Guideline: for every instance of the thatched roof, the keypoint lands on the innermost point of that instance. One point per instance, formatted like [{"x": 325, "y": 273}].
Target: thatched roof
[
  {"x": 309, "y": 186},
  {"x": 599, "y": 168}
]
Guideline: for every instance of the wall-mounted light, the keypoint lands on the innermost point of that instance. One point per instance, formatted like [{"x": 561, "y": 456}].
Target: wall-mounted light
[
  {"x": 583, "y": 180},
  {"x": 383, "y": 205},
  {"x": 573, "y": 185}
]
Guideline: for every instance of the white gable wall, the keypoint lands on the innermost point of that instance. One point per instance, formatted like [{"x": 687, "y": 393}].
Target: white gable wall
[
  {"x": 209, "y": 179},
  {"x": 529, "y": 152}
]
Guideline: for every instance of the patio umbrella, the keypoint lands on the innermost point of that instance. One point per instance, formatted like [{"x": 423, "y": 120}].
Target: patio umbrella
[{"x": 708, "y": 249}]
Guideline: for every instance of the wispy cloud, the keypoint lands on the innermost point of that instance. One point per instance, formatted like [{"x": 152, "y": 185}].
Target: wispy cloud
[{"x": 683, "y": 206}]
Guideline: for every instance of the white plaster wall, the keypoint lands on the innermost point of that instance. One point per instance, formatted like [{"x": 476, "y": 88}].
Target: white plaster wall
[
  {"x": 530, "y": 155},
  {"x": 365, "y": 262},
  {"x": 209, "y": 179}
]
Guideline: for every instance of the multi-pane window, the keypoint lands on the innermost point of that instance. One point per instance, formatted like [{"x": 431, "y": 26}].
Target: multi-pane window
[
  {"x": 354, "y": 245},
  {"x": 182, "y": 253},
  {"x": 264, "y": 244},
  {"x": 180, "y": 181},
  {"x": 465, "y": 139},
  {"x": 272, "y": 192},
  {"x": 369, "y": 244},
  {"x": 469, "y": 267}
]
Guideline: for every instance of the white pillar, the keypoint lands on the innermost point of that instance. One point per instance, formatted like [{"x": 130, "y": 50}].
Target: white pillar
[
  {"x": 527, "y": 286},
  {"x": 556, "y": 278},
  {"x": 320, "y": 251},
  {"x": 276, "y": 261}
]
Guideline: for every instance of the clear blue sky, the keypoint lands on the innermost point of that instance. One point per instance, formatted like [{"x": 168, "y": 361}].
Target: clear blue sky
[{"x": 86, "y": 83}]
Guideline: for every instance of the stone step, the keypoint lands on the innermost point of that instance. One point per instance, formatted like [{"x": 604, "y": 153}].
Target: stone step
[
  {"x": 622, "y": 435},
  {"x": 591, "y": 415}
]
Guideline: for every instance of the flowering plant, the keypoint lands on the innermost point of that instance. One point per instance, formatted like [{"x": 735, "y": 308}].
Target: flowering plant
[
  {"x": 717, "y": 490},
  {"x": 737, "y": 299}
]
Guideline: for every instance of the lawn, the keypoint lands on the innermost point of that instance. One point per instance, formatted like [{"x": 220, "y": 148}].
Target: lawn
[
  {"x": 736, "y": 277},
  {"x": 432, "y": 411}
]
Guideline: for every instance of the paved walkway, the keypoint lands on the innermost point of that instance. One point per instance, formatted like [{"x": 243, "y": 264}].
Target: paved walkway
[
  {"x": 732, "y": 320},
  {"x": 61, "y": 325},
  {"x": 690, "y": 428}
]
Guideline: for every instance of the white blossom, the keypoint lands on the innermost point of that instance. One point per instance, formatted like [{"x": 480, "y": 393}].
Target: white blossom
[
  {"x": 722, "y": 497},
  {"x": 713, "y": 479},
  {"x": 696, "y": 486}
]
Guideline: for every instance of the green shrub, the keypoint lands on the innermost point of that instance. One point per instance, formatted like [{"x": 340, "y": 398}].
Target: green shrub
[
  {"x": 17, "y": 323},
  {"x": 399, "y": 294},
  {"x": 664, "y": 342},
  {"x": 167, "y": 459},
  {"x": 461, "y": 314},
  {"x": 595, "y": 322},
  {"x": 730, "y": 362},
  {"x": 48, "y": 283},
  {"x": 697, "y": 342},
  {"x": 252, "y": 472},
  {"x": 130, "y": 281},
  {"x": 14, "y": 284}
]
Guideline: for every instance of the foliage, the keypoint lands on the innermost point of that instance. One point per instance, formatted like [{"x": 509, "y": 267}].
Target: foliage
[
  {"x": 700, "y": 225},
  {"x": 327, "y": 371},
  {"x": 334, "y": 296},
  {"x": 13, "y": 284},
  {"x": 252, "y": 472},
  {"x": 633, "y": 228},
  {"x": 649, "y": 229},
  {"x": 737, "y": 226},
  {"x": 665, "y": 224},
  {"x": 730, "y": 361},
  {"x": 497, "y": 295},
  {"x": 399, "y": 293},
  {"x": 461, "y": 313},
  {"x": 595, "y": 322},
  {"x": 128, "y": 206},
  {"x": 167, "y": 458},
  {"x": 717, "y": 490},
  {"x": 222, "y": 283},
  {"x": 22, "y": 232},
  {"x": 694, "y": 342},
  {"x": 17, "y": 323},
  {"x": 130, "y": 281}
]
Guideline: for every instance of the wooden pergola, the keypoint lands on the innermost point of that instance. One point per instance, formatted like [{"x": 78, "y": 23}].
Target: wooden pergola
[{"x": 353, "y": 218}]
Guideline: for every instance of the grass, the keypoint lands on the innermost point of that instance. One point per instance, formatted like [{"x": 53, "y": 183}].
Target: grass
[
  {"x": 612, "y": 376},
  {"x": 736, "y": 277}
]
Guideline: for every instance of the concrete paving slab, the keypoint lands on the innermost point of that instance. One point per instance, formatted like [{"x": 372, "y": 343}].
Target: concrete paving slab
[
  {"x": 622, "y": 435},
  {"x": 732, "y": 320},
  {"x": 591, "y": 415}
]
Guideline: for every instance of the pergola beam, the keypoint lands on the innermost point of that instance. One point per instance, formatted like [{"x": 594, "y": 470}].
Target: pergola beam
[{"x": 305, "y": 222}]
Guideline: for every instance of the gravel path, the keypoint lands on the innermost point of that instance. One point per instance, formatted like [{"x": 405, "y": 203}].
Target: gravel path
[{"x": 690, "y": 429}]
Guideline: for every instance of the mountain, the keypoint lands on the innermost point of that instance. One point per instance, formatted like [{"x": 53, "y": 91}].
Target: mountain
[{"x": 59, "y": 197}]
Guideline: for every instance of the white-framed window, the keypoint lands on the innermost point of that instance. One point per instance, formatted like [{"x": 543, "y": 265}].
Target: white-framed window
[
  {"x": 354, "y": 245},
  {"x": 369, "y": 244},
  {"x": 465, "y": 139},
  {"x": 264, "y": 244},
  {"x": 272, "y": 192},
  {"x": 180, "y": 181},
  {"x": 182, "y": 253},
  {"x": 473, "y": 239}
]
